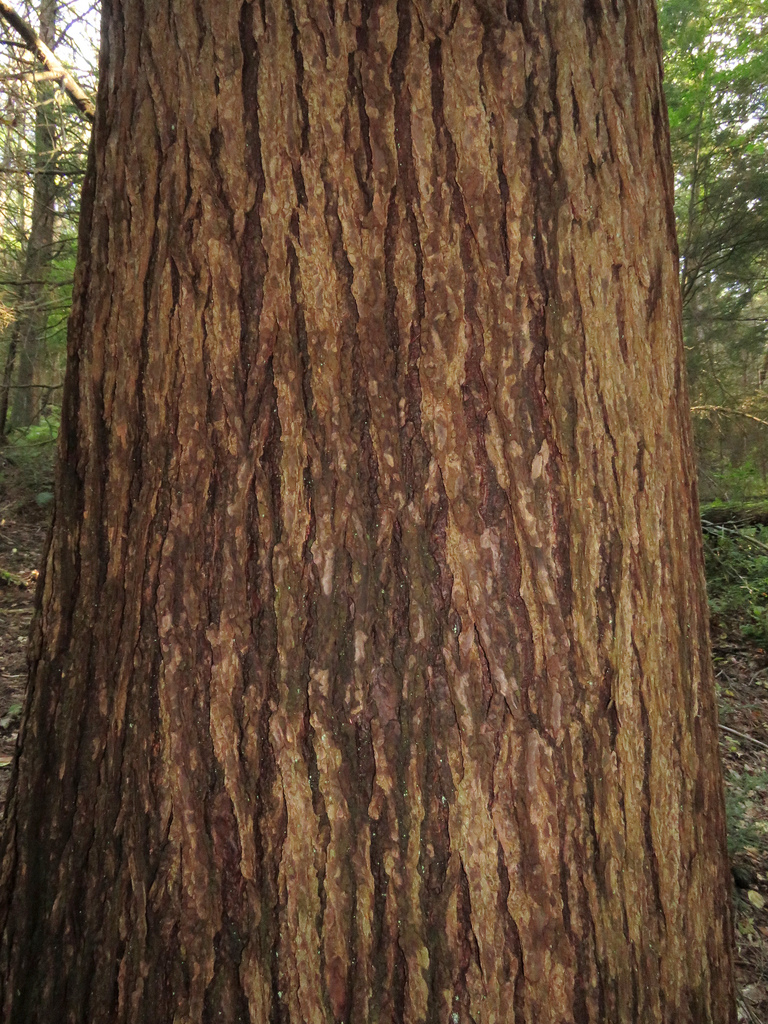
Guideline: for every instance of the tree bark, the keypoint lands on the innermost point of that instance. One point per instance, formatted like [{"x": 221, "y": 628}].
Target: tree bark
[{"x": 370, "y": 680}]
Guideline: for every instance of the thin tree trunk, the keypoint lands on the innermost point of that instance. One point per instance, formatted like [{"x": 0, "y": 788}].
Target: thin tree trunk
[
  {"x": 7, "y": 181},
  {"x": 8, "y": 368},
  {"x": 371, "y": 678},
  {"x": 28, "y": 339},
  {"x": 688, "y": 278},
  {"x": 6, "y": 225}
]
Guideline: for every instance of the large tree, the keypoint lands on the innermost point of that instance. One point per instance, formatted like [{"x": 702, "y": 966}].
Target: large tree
[{"x": 370, "y": 680}]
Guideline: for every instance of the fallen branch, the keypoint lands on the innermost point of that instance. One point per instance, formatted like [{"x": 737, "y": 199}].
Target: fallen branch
[
  {"x": 744, "y": 736},
  {"x": 736, "y": 513},
  {"x": 722, "y": 409},
  {"x": 734, "y": 532},
  {"x": 33, "y": 42}
]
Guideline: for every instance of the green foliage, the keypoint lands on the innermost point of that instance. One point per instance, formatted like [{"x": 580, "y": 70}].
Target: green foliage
[
  {"x": 716, "y": 83},
  {"x": 745, "y": 796},
  {"x": 28, "y": 459},
  {"x": 741, "y": 481},
  {"x": 11, "y": 717},
  {"x": 716, "y": 75},
  {"x": 44, "y": 141},
  {"x": 41, "y": 433},
  {"x": 736, "y": 561}
]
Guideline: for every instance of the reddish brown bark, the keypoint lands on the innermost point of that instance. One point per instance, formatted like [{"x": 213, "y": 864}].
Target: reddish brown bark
[{"x": 371, "y": 678}]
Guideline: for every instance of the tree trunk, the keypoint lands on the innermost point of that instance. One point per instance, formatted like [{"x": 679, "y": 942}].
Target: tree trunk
[
  {"x": 5, "y": 383},
  {"x": 28, "y": 339},
  {"x": 371, "y": 678}
]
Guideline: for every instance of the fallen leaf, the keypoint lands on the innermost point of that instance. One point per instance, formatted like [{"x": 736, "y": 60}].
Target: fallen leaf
[
  {"x": 756, "y": 899},
  {"x": 754, "y": 993}
]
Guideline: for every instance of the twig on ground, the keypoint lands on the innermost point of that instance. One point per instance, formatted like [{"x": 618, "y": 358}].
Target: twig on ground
[{"x": 744, "y": 736}]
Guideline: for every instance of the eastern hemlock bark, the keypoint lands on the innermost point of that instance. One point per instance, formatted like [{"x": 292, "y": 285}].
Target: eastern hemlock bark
[{"x": 371, "y": 680}]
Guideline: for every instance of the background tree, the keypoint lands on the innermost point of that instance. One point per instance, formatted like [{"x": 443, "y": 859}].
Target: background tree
[
  {"x": 716, "y": 70},
  {"x": 38, "y": 246},
  {"x": 371, "y": 678},
  {"x": 32, "y": 313}
]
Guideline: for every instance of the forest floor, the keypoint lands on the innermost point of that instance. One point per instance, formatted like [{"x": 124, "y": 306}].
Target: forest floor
[
  {"x": 22, "y": 535},
  {"x": 741, "y": 670},
  {"x": 741, "y": 674}
]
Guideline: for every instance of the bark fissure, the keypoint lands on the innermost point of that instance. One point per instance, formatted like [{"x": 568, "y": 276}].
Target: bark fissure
[{"x": 382, "y": 612}]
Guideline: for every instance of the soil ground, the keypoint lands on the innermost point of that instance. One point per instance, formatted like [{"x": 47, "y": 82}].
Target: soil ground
[
  {"x": 22, "y": 534},
  {"x": 742, "y": 678},
  {"x": 741, "y": 672}
]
